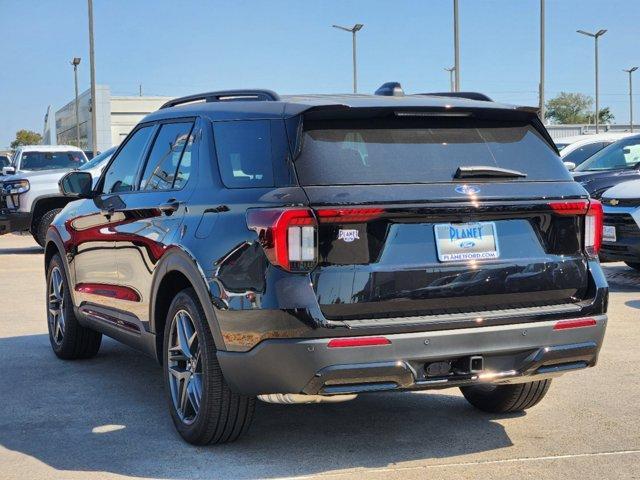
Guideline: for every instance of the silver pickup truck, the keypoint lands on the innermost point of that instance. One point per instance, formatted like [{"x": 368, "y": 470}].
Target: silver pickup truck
[{"x": 29, "y": 193}]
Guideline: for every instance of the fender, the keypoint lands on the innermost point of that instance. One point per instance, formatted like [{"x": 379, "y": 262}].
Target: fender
[
  {"x": 181, "y": 260},
  {"x": 53, "y": 236}
]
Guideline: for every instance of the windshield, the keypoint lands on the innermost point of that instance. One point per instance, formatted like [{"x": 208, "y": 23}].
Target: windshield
[
  {"x": 51, "y": 160},
  {"x": 379, "y": 151},
  {"x": 623, "y": 154},
  {"x": 98, "y": 159}
]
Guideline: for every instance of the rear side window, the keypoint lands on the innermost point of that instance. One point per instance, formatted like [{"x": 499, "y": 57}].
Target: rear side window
[
  {"x": 580, "y": 154},
  {"x": 244, "y": 153},
  {"x": 161, "y": 170},
  {"x": 395, "y": 151}
]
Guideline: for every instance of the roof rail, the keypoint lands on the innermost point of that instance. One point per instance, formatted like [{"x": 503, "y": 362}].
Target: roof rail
[
  {"x": 470, "y": 95},
  {"x": 390, "y": 89},
  {"x": 226, "y": 96}
]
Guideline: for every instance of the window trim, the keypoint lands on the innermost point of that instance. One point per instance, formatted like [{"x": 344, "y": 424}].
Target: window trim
[{"x": 159, "y": 124}]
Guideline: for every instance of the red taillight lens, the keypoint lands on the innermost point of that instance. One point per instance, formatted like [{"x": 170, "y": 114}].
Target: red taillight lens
[
  {"x": 592, "y": 223},
  {"x": 593, "y": 228},
  {"x": 577, "y": 323},
  {"x": 348, "y": 215},
  {"x": 288, "y": 236},
  {"x": 358, "y": 342}
]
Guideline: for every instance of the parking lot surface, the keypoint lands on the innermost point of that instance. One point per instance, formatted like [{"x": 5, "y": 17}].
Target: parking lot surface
[{"x": 107, "y": 418}]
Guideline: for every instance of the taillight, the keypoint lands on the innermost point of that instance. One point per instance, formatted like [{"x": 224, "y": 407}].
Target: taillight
[
  {"x": 287, "y": 235},
  {"x": 348, "y": 215},
  {"x": 593, "y": 228},
  {"x": 592, "y": 223}
]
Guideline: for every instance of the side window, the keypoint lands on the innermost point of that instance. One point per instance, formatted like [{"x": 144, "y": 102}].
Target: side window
[
  {"x": 184, "y": 168},
  {"x": 580, "y": 154},
  {"x": 162, "y": 167},
  {"x": 121, "y": 174},
  {"x": 244, "y": 153}
]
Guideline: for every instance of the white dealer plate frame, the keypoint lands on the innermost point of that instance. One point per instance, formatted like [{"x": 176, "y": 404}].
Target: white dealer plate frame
[{"x": 449, "y": 252}]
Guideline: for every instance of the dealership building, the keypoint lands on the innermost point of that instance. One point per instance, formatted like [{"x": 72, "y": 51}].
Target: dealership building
[{"x": 116, "y": 116}]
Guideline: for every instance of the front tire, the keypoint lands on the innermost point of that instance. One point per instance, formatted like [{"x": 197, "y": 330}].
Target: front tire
[
  {"x": 203, "y": 408},
  {"x": 506, "y": 398},
  {"x": 41, "y": 225},
  {"x": 69, "y": 340}
]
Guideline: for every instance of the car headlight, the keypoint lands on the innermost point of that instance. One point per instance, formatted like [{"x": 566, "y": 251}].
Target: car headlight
[{"x": 15, "y": 187}]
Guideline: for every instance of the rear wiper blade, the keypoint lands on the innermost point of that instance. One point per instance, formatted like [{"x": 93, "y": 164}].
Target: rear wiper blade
[{"x": 487, "y": 172}]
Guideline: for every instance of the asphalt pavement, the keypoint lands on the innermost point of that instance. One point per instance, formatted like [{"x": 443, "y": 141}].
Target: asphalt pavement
[{"x": 107, "y": 417}]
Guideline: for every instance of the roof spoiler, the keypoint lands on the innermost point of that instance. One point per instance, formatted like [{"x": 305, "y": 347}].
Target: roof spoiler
[
  {"x": 258, "y": 95},
  {"x": 469, "y": 95}
]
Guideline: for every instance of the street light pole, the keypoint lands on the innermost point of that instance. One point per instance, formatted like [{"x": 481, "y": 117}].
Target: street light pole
[
  {"x": 630, "y": 71},
  {"x": 451, "y": 80},
  {"x": 356, "y": 28},
  {"x": 93, "y": 81},
  {"x": 456, "y": 45},
  {"x": 542, "y": 52},
  {"x": 595, "y": 36},
  {"x": 75, "y": 62}
]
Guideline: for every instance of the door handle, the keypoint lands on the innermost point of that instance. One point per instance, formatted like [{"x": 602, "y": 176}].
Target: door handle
[{"x": 169, "y": 207}]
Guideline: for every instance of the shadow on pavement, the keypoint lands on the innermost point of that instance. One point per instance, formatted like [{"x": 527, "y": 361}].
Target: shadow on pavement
[
  {"x": 622, "y": 278},
  {"x": 109, "y": 414}
]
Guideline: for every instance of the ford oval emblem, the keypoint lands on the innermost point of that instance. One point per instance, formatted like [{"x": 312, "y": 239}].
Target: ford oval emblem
[
  {"x": 468, "y": 189},
  {"x": 467, "y": 244}
]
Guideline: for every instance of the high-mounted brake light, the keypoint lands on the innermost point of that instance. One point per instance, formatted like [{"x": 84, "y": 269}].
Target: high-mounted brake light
[
  {"x": 577, "y": 323},
  {"x": 358, "y": 342},
  {"x": 592, "y": 223},
  {"x": 287, "y": 235}
]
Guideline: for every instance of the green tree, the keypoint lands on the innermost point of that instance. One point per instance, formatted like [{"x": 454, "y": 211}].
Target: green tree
[
  {"x": 569, "y": 108},
  {"x": 606, "y": 116},
  {"x": 26, "y": 137}
]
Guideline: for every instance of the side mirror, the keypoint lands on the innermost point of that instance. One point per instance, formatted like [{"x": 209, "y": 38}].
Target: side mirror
[
  {"x": 8, "y": 170},
  {"x": 570, "y": 165},
  {"x": 76, "y": 184}
]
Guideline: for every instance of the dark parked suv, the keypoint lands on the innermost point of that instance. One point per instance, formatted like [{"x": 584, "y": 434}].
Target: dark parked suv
[{"x": 311, "y": 248}]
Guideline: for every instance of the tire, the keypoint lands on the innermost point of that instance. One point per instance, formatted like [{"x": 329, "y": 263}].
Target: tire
[
  {"x": 506, "y": 398},
  {"x": 68, "y": 338},
  {"x": 41, "y": 225},
  {"x": 191, "y": 371},
  {"x": 634, "y": 265}
]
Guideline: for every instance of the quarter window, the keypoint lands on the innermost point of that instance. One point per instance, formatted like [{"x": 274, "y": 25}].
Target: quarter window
[
  {"x": 162, "y": 168},
  {"x": 244, "y": 153},
  {"x": 121, "y": 174}
]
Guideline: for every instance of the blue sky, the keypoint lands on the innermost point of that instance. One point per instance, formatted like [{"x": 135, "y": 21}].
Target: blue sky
[{"x": 181, "y": 47}]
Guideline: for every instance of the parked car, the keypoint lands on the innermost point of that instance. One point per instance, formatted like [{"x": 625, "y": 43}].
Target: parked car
[
  {"x": 291, "y": 248},
  {"x": 621, "y": 230},
  {"x": 5, "y": 160},
  {"x": 575, "y": 150},
  {"x": 619, "y": 162},
  {"x": 29, "y": 193}
]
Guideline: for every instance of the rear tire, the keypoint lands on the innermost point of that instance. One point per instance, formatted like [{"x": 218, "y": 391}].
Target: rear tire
[
  {"x": 203, "y": 408},
  {"x": 41, "y": 225},
  {"x": 68, "y": 338},
  {"x": 506, "y": 398},
  {"x": 634, "y": 265}
]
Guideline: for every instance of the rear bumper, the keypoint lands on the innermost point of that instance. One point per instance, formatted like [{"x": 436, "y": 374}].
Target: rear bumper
[
  {"x": 14, "y": 221},
  {"x": 511, "y": 353}
]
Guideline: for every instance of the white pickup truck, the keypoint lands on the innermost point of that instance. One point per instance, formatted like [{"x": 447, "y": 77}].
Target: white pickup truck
[{"x": 29, "y": 192}]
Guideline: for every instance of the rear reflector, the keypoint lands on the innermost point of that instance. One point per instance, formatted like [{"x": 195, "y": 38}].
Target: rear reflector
[
  {"x": 358, "y": 342},
  {"x": 577, "y": 323}
]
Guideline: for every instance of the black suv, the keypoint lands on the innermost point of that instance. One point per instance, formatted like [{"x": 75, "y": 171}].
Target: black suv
[{"x": 311, "y": 248}]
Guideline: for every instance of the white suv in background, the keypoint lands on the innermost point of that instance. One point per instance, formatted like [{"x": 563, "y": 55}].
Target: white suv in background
[{"x": 29, "y": 193}]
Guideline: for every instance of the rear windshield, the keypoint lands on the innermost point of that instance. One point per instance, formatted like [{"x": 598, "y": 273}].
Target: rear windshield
[
  {"x": 51, "y": 160},
  {"x": 420, "y": 151}
]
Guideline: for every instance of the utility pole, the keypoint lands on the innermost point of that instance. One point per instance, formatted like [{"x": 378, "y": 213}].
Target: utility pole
[
  {"x": 630, "y": 71},
  {"x": 542, "y": 52},
  {"x": 140, "y": 89},
  {"x": 75, "y": 62},
  {"x": 595, "y": 36},
  {"x": 451, "y": 79},
  {"x": 456, "y": 45},
  {"x": 93, "y": 80},
  {"x": 356, "y": 28}
]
